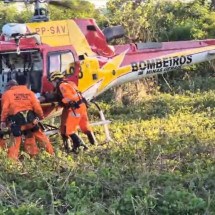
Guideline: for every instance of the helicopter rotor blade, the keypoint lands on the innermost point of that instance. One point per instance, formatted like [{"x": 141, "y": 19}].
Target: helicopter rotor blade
[
  {"x": 65, "y": 3},
  {"x": 61, "y": 3}
]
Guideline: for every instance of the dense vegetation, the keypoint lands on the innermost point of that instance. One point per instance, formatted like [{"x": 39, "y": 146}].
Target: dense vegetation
[{"x": 161, "y": 161}]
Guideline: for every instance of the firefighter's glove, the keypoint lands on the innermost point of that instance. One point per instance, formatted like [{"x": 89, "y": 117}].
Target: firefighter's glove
[
  {"x": 3, "y": 125},
  {"x": 77, "y": 105},
  {"x": 35, "y": 121},
  {"x": 74, "y": 105}
]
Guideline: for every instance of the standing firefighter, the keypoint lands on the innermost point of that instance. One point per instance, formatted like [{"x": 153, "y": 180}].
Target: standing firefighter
[
  {"x": 23, "y": 108},
  {"x": 74, "y": 113},
  {"x": 30, "y": 142}
]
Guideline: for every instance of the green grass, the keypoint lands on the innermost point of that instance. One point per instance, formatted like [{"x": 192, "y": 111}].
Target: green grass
[{"x": 161, "y": 161}]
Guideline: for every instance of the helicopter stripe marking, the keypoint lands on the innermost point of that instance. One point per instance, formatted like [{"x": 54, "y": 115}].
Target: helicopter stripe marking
[
  {"x": 106, "y": 73},
  {"x": 98, "y": 82},
  {"x": 92, "y": 91},
  {"x": 110, "y": 66},
  {"x": 186, "y": 52},
  {"x": 192, "y": 51}
]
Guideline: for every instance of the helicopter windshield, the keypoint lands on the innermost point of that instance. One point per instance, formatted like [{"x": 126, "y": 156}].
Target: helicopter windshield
[
  {"x": 62, "y": 61},
  {"x": 28, "y": 63}
]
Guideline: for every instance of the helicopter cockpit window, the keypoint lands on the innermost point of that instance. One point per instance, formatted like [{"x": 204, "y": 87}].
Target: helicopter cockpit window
[
  {"x": 63, "y": 62},
  {"x": 28, "y": 63}
]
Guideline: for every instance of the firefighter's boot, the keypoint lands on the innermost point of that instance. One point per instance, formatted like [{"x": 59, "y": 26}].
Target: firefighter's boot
[
  {"x": 91, "y": 137},
  {"x": 65, "y": 143},
  {"x": 77, "y": 142}
]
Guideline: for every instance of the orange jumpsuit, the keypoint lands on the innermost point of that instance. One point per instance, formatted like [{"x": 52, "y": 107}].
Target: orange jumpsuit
[
  {"x": 72, "y": 118},
  {"x": 18, "y": 99},
  {"x": 30, "y": 143}
]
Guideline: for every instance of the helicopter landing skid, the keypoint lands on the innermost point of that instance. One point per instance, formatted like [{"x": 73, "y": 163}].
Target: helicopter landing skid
[{"x": 103, "y": 122}]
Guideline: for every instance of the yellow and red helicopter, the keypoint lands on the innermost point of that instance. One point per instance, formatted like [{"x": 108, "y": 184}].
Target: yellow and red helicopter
[{"x": 79, "y": 49}]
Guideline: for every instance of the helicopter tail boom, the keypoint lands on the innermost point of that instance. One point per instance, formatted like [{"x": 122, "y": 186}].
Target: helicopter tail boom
[{"x": 144, "y": 60}]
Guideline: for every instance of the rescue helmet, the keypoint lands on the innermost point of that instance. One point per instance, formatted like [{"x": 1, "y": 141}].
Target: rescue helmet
[
  {"x": 10, "y": 84},
  {"x": 56, "y": 75}
]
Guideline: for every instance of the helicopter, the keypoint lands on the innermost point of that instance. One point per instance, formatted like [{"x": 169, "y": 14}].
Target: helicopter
[{"x": 82, "y": 52}]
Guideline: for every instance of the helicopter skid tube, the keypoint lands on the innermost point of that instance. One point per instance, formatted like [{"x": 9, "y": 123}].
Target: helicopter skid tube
[{"x": 103, "y": 122}]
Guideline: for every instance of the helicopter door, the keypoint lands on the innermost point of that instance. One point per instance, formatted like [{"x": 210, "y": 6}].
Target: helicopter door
[{"x": 28, "y": 63}]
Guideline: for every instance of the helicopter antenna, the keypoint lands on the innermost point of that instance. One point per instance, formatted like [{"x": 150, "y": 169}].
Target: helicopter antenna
[{"x": 40, "y": 13}]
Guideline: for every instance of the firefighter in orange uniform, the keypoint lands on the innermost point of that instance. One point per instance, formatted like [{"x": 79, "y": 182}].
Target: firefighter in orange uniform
[
  {"x": 74, "y": 113},
  {"x": 29, "y": 143},
  {"x": 22, "y": 104}
]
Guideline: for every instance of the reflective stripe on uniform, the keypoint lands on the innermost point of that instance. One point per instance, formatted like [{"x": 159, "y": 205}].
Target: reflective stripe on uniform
[
  {"x": 75, "y": 114},
  {"x": 68, "y": 99}
]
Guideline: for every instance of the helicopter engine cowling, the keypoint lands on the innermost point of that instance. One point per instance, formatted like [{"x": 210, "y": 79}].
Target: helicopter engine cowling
[{"x": 113, "y": 32}]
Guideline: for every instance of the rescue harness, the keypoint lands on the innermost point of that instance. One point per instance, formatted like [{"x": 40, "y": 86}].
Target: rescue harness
[
  {"x": 26, "y": 117},
  {"x": 23, "y": 117},
  {"x": 72, "y": 104}
]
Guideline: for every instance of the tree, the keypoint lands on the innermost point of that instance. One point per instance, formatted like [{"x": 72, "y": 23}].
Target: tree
[
  {"x": 74, "y": 9},
  {"x": 163, "y": 20},
  {"x": 185, "y": 21},
  {"x": 133, "y": 16},
  {"x": 10, "y": 13}
]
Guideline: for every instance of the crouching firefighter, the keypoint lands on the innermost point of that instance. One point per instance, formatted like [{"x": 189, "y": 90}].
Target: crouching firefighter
[
  {"x": 74, "y": 113},
  {"x": 23, "y": 108}
]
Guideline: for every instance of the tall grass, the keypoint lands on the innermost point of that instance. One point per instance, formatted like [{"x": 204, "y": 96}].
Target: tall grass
[{"x": 161, "y": 161}]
